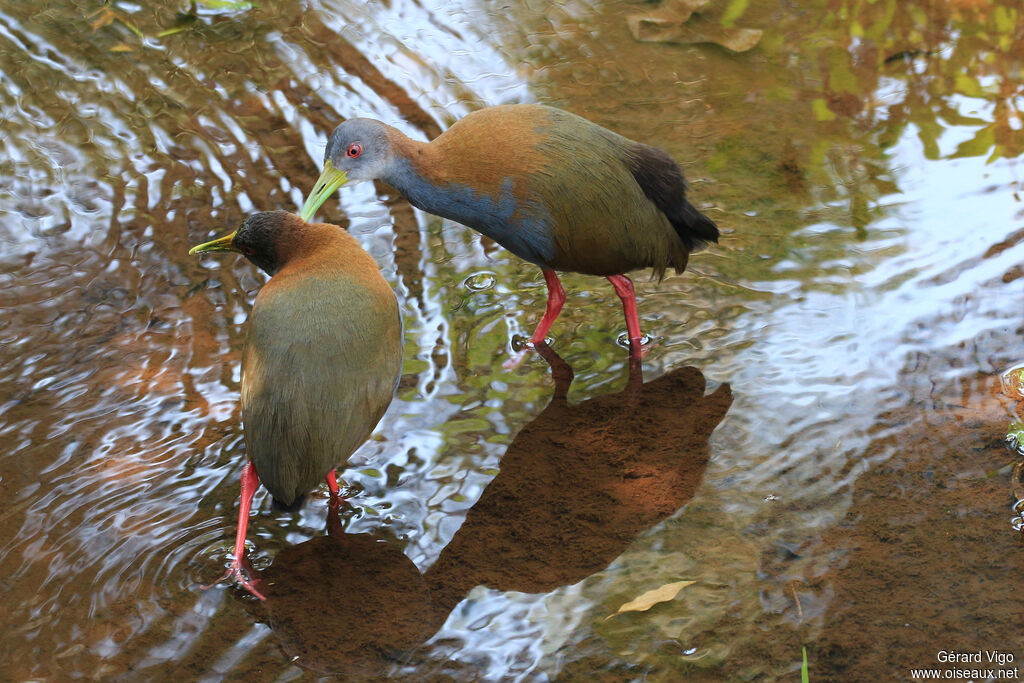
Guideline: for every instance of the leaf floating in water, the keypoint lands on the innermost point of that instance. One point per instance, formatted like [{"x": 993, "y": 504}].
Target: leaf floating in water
[
  {"x": 651, "y": 598},
  {"x": 104, "y": 17},
  {"x": 230, "y": 5},
  {"x": 671, "y": 23},
  {"x": 171, "y": 31},
  {"x": 182, "y": 22}
]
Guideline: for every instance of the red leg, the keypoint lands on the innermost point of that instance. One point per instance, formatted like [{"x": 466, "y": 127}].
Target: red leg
[
  {"x": 624, "y": 288},
  {"x": 332, "y": 484},
  {"x": 556, "y": 297},
  {"x": 250, "y": 482}
]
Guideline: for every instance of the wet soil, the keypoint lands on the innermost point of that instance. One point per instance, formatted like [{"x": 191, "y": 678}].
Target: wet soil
[{"x": 814, "y": 436}]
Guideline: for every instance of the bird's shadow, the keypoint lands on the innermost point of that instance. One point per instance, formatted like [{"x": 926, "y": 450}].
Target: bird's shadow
[
  {"x": 576, "y": 486},
  {"x": 580, "y": 482},
  {"x": 346, "y": 604}
]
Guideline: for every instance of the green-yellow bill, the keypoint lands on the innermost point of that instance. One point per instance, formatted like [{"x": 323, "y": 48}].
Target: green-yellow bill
[
  {"x": 329, "y": 181},
  {"x": 220, "y": 244}
]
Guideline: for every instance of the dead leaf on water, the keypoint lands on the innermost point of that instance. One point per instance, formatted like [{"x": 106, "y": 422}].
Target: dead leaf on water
[
  {"x": 674, "y": 23},
  {"x": 651, "y": 598},
  {"x": 679, "y": 9},
  {"x": 122, "y": 47},
  {"x": 104, "y": 17}
]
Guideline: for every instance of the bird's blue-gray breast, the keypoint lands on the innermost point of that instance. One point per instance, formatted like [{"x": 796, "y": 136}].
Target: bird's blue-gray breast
[{"x": 521, "y": 226}]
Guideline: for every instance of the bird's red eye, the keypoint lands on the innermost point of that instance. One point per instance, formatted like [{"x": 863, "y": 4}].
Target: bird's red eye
[
  {"x": 354, "y": 150},
  {"x": 248, "y": 251}
]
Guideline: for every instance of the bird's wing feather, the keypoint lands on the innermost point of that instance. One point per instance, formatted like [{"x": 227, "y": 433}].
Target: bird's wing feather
[
  {"x": 314, "y": 385},
  {"x": 564, "y": 192},
  {"x": 604, "y": 222},
  {"x": 662, "y": 181}
]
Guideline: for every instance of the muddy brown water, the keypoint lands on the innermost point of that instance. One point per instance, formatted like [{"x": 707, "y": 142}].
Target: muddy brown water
[{"x": 814, "y": 438}]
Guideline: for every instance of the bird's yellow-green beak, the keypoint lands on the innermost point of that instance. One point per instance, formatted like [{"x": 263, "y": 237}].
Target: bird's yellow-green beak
[
  {"x": 220, "y": 244},
  {"x": 329, "y": 181}
]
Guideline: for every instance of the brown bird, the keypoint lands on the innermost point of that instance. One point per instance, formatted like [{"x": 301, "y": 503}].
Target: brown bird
[
  {"x": 322, "y": 357},
  {"x": 551, "y": 187}
]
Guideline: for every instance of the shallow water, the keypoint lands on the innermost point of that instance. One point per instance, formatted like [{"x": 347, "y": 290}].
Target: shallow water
[{"x": 842, "y": 484}]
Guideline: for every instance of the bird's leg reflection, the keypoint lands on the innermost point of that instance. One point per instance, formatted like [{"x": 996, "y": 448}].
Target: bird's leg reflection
[
  {"x": 250, "y": 482},
  {"x": 635, "y": 383},
  {"x": 561, "y": 371},
  {"x": 562, "y": 374},
  {"x": 334, "y": 526}
]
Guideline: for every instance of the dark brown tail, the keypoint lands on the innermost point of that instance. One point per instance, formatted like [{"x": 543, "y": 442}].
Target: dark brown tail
[
  {"x": 693, "y": 227},
  {"x": 662, "y": 181},
  {"x": 278, "y": 506}
]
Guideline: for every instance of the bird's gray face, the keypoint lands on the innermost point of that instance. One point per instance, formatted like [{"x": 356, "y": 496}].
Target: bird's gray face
[
  {"x": 360, "y": 149},
  {"x": 357, "y": 150}
]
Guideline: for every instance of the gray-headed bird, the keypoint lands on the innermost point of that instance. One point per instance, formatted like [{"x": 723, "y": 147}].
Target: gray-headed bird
[{"x": 551, "y": 187}]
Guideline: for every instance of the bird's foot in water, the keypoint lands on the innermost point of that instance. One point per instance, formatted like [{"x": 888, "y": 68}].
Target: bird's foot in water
[
  {"x": 522, "y": 348},
  {"x": 235, "y": 572},
  {"x": 336, "y": 501},
  {"x": 638, "y": 346}
]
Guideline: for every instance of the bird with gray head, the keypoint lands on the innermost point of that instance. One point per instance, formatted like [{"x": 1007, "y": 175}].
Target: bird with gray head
[
  {"x": 551, "y": 187},
  {"x": 321, "y": 362}
]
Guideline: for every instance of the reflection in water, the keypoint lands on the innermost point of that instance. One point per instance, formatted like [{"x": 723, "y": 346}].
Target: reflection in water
[
  {"x": 580, "y": 482},
  {"x": 576, "y": 486},
  {"x": 346, "y": 603},
  {"x": 928, "y": 551}
]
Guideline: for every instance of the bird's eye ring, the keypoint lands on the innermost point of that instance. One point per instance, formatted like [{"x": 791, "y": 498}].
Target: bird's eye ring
[{"x": 354, "y": 150}]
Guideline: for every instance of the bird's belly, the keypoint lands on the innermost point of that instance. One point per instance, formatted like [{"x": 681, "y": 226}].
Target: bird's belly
[{"x": 592, "y": 244}]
